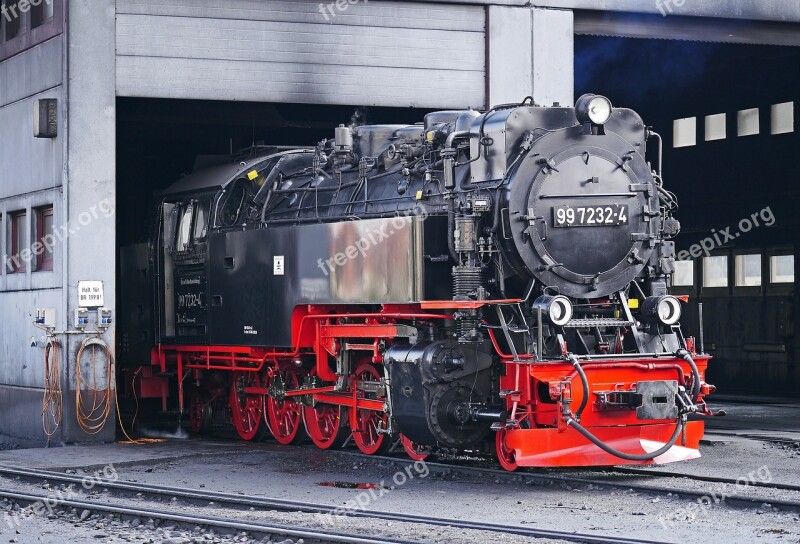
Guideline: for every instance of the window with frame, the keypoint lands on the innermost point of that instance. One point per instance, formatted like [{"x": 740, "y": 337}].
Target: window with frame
[
  {"x": 42, "y": 13},
  {"x": 12, "y": 18},
  {"x": 27, "y": 23},
  {"x": 748, "y": 270},
  {"x": 16, "y": 242},
  {"x": 715, "y": 271},
  {"x": 44, "y": 227},
  {"x": 781, "y": 269},
  {"x": 201, "y": 221},
  {"x": 184, "y": 236},
  {"x": 684, "y": 274}
]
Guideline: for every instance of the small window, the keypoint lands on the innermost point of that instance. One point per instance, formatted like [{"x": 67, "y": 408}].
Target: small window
[
  {"x": 684, "y": 274},
  {"x": 782, "y": 118},
  {"x": 42, "y": 13},
  {"x": 748, "y": 270},
  {"x": 44, "y": 235},
  {"x": 715, "y": 271},
  {"x": 10, "y": 18},
  {"x": 16, "y": 263},
  {"x": 781, "y": 269},
  {"x": 201, "y": 222},
  {"x": 716, "y": 127},
  {"x": 748, "y": 124},
  {"x": 684, "y": 132},
  {"x": 184, "y": 238}
]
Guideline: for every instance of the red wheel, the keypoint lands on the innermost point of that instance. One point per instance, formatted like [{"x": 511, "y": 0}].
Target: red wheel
[
  {"x": 199, "y": 412},
  {"x": 366, "y": 433},
  {"x": 505, "y": 455},
  {"x": 412, "y": 449},
  {"x": 284, "y": 415},
  {"x": 326, "y": 425},
  {"x": 247, "y": 409}
]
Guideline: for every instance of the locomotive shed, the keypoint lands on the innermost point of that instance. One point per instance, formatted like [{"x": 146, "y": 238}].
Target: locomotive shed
[{"x": 123, "y": 119}]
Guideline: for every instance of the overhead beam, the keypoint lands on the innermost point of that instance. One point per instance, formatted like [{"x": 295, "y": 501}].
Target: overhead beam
[
  {"x": 787, "y": 11},
  {"x": 626, "y": 25}
]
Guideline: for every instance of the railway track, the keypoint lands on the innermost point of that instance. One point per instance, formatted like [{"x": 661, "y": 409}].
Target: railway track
[
  {"x": 194, "y": 519},
  {"x": 124, "y": 491},
  {"x": 538, "y": 475},
  {"x": 708, "y": 479}
]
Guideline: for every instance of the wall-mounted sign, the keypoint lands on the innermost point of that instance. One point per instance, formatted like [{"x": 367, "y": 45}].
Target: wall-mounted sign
[{"x": 90, "y": 294}]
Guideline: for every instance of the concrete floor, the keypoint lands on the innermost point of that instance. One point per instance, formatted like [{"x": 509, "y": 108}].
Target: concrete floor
[{"x": 752, "y": 438}]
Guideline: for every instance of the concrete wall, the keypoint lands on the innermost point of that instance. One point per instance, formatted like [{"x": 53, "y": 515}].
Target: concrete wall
[
  {"x": 530, "y": 52},
  {"x": 91, "y": 173},
  {"x": 377, "y": 53},
  {"x": 31, "y": 175},
  {"x": 74, "y": 173}
]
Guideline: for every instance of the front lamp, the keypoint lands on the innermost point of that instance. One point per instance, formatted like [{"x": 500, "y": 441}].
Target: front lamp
[
  {"x": 557, "y": 309},
  {"x": 594, "y": 109},
  {"x": 664, "y": 309}
]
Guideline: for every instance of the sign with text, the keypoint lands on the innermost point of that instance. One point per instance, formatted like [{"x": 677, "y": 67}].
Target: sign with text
[{"x": 90, "y": 294}]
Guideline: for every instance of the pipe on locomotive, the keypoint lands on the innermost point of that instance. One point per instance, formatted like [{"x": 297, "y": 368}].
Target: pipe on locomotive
[
  {"x": 573, "y": 421},
  {"x": 630, "y": 456}
]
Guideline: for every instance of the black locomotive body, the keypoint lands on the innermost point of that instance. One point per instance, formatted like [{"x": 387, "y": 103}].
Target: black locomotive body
[{"x": 450, "y": 284}]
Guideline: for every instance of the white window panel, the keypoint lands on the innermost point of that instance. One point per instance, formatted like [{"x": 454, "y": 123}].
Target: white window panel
[
  {"x": 715, "y": 271},
  {"x": 782, "y": 118},
  {"x": 748, "y": 270},
  {"x": 747, "y": 121},
  {"x": 781, "y": 269},
  {"x": 716, "y": 127},
  {"x": 684, "y": 132},
  {"x": 684, "y": 274}
]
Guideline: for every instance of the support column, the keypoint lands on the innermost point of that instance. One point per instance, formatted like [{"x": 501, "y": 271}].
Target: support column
[
  {"x": 90, "y": 194},
  {"x": 530, "y": 51}
]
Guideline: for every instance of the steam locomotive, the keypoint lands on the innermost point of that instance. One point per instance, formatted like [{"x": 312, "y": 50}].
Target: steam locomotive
[{"x": 494, "y": 283}]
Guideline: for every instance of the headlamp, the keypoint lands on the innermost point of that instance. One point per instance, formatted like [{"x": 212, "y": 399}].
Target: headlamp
[{"x": 593, "y": 108}]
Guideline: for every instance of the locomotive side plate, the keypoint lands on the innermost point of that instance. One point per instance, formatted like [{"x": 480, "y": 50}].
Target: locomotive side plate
[{"x": 604, "y": 215}]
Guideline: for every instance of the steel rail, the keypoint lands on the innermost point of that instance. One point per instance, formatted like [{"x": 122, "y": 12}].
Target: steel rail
[
  {"x": 709, "y": 479},
  {"x": 279, "y": 505},
  {"x": 533, "y": 475},
  {"x": 212, "y": 521}
]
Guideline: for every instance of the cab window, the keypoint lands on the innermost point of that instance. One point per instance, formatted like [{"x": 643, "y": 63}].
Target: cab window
[
  {"x": 232, "y": 202},
  {"x": 184, "y": 236},
  {"x": 201, "y": 221}
]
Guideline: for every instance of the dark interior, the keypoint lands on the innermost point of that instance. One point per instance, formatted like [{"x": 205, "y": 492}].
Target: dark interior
[{"x": 718, "y": 182}]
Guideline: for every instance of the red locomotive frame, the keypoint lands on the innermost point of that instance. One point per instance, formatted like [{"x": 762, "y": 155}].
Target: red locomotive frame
[{"x": 271, "y": 391}]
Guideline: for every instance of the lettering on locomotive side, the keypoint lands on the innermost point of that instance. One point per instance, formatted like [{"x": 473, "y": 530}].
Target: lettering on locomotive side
[{"x": 190, "y": 300}]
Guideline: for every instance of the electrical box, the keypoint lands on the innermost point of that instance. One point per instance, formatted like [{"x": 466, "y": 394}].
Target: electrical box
[
  {"x": 104, "y": 317},
  {"x": 46, "y": 317},
  {"x": 81, "y": 318}
]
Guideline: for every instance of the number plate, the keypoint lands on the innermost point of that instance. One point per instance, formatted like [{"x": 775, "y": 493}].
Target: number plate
[{"x": 609, "y": 215}]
